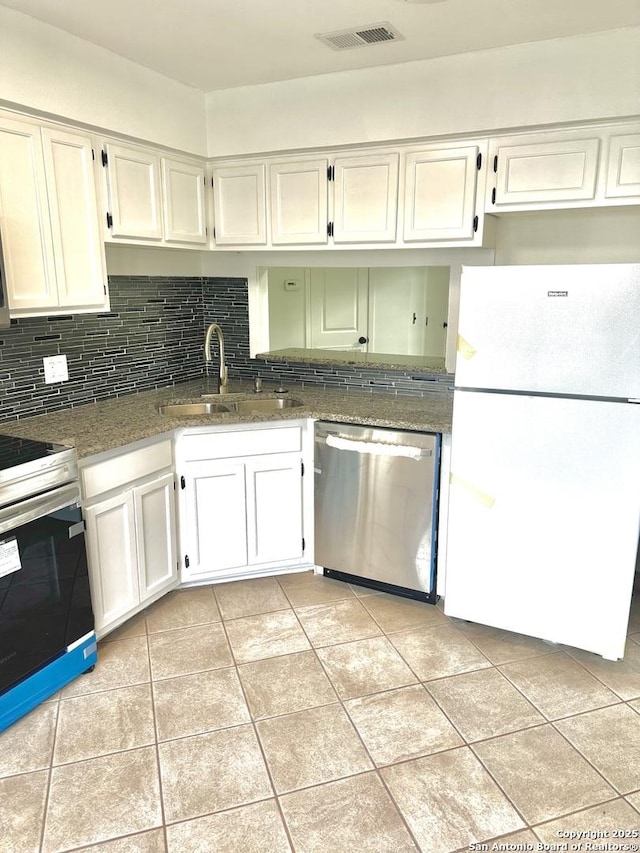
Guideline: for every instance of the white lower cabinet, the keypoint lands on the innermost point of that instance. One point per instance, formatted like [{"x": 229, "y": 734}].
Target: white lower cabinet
[
  {"x": 244, "y": 500},
  {"x": 131, "y": 534}
]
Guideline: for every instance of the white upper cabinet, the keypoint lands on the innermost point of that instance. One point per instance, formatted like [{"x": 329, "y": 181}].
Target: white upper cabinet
[
  {"x": 365, "y": 199},
  {"x": 299, "y": 194},
  {"x": 543, "y": 172},
  {"x": 78, "y": 249},
  {"x": 183, "y": 196},
  {"x": 440, "y": 194},
  {"x": 133, "y": 186},
  {"x": 623, "y": 172},
  {"x": 54, "y": 256},
  {"x": 239, "y": 203}
]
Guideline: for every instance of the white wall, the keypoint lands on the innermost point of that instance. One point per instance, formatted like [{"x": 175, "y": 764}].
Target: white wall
[
  {"x": 140, "y": 260},
  {"x": 568, "y": 79},
  {"x": 48, "y": 70},
  {"x": 597, "y": 236}
]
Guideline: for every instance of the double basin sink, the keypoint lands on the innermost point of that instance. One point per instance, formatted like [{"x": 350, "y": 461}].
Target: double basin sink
[{"x": 246, "y": 405}]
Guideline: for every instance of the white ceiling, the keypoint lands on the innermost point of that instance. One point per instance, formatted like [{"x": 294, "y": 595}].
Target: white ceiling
[{"x": 220, "y": 44}]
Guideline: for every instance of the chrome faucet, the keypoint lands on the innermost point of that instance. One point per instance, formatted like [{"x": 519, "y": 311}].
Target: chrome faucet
[{"x": 223, "y": 382}]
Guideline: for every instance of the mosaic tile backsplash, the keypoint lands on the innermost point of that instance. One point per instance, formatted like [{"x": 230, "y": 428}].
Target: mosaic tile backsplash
[{"x": 153, "y": 337}]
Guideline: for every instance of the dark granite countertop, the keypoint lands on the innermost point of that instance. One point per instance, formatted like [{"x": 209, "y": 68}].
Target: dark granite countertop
[{"x": 105, "y": 425}]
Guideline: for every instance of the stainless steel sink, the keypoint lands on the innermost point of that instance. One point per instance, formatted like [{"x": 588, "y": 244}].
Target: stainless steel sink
[
  {"x": 243, "y": 406},
  {"x": 268, "y": 404},
  {"x": 181, "y": 409}
]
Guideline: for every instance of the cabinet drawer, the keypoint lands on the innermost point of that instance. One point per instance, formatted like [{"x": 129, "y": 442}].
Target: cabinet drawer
[
  {"x": 221, "y": 445},
  {"x": 122, "y": 470}
]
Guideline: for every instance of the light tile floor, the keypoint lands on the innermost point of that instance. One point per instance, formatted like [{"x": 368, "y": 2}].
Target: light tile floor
[{"x": 303, "y": 714}]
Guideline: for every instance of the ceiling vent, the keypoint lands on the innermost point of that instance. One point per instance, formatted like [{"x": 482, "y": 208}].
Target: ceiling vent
[{"x": 360, "y": 36}]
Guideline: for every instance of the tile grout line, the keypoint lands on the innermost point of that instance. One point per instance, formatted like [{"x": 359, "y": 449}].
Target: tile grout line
[{"x": 254, "y": 727}]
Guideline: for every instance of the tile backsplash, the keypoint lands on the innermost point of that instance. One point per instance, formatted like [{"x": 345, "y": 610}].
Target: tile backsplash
[{"x": 153, "y": 337}]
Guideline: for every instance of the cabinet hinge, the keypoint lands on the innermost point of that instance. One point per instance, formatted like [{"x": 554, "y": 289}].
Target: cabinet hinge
[
  {"x": 214, "y": 232},
  {"x": 186, "y": 561},
  {"x": 301, "y": 468},
  {"x": 109, "y": 220},
  {"x": 183, "y": 482},
  {"x": 105, "y": 159},
  {"x": 330, "y": 229},
  {"x": 212, "y": 180},
  {"x": 93, "y": 154},
  {"x": 303, "y": 543},
  {"x": 104, "y": 287},
  {"x": 331, "y": 173},
  {"x": 495, "y": 163},
  {"x": 493, "y": 196},
  {"x": 479, "y": 162},
  {"x": 475, "y": 223}
]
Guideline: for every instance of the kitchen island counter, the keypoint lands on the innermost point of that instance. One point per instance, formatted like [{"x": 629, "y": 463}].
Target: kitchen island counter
[{"x": 109, "y": 424}]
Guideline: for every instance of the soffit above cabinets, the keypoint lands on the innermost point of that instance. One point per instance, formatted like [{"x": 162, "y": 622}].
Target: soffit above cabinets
[{"x": 230, "y": 43}]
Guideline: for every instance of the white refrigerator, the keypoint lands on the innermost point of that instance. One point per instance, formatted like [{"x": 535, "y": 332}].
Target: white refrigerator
[{"x": 544, "y": 495}]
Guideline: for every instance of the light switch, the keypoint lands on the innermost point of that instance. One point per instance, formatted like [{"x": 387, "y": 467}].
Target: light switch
[{"x": 55, "y": 369}]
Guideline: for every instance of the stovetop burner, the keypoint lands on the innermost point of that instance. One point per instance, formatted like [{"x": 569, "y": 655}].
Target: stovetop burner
[
  {"x": 30, "y": 467},
  {"x": 19, "y": 451}
]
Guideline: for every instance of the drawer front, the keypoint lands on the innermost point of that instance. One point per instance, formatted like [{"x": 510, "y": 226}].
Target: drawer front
[
  {"x": 223, "y": 445},
  {"x": 123, "y": 469}
]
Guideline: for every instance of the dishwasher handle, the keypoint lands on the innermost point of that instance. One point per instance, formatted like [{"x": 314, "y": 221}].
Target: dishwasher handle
[{"x": 376, "y": 448}]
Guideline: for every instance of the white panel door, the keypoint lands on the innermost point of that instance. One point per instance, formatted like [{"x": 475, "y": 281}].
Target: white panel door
[
  {"x": 133, "y": 180},
  {"x": 298, "y": 193},
  {"x": 274, "y": 508},
  {"x": 623, "y": 174},
  {"x": 156, "y": 536},
  {"x": 440, "y": 194},
  {"x": 216, "y": 518},
  {"x": 366, "y": 199},
  {"x": 239, "y": 203},
  {"x": 26, "y": 231},
  {"x": 112, "y": 558},
  {"x": 544, "y": 516},
  {"x": 338, "y": 308},
  {"x": 545, "y": 172},
  {"x": 77, "y": 240},
  {"x": 565, "y": 329},
  {"x": 183, "y": 186}
]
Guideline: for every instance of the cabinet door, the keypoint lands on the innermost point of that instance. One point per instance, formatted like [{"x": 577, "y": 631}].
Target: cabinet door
[
  {"x": 274, "y": 508},
  {"x": 216, "y": 518},
  {"x": 546, "y": 172},
  {"x": 239, "y": 204},
  {"x": 366, "y": 199},
  {"x": 156, "y": 535},
  {"x": 26, "y": 231},
  {"x": 440, "y": 194},
  {"x": 77, "y": 241},
  {"x": 111, "y": 552},
  {"x": 623, "y": 173},
  {"x": 133, "y": 180},
  {"x": 183, "y": 187},
  {"x": 298, "y": 202}
]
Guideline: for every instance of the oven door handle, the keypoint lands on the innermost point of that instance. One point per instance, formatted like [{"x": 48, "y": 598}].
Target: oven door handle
[{"x": 33, "y": 508}]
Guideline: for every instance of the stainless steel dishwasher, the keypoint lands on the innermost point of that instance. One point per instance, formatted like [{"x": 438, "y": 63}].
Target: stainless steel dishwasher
[{"x": 376, "y": 501}]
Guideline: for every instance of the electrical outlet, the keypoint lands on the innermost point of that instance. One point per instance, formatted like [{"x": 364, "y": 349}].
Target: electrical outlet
[{"x": 55, "y": 369}]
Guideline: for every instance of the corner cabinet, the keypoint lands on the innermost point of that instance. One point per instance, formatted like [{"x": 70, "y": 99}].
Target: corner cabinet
[
  {"x": 151, "y": 198},
  {"x": 245, "y": 502},
  {"x": 129, "y": 510},
  {"x": 53, "y": 251}
]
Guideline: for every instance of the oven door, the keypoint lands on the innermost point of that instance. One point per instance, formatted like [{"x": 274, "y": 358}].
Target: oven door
[{"x": 45, "y": 602}]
